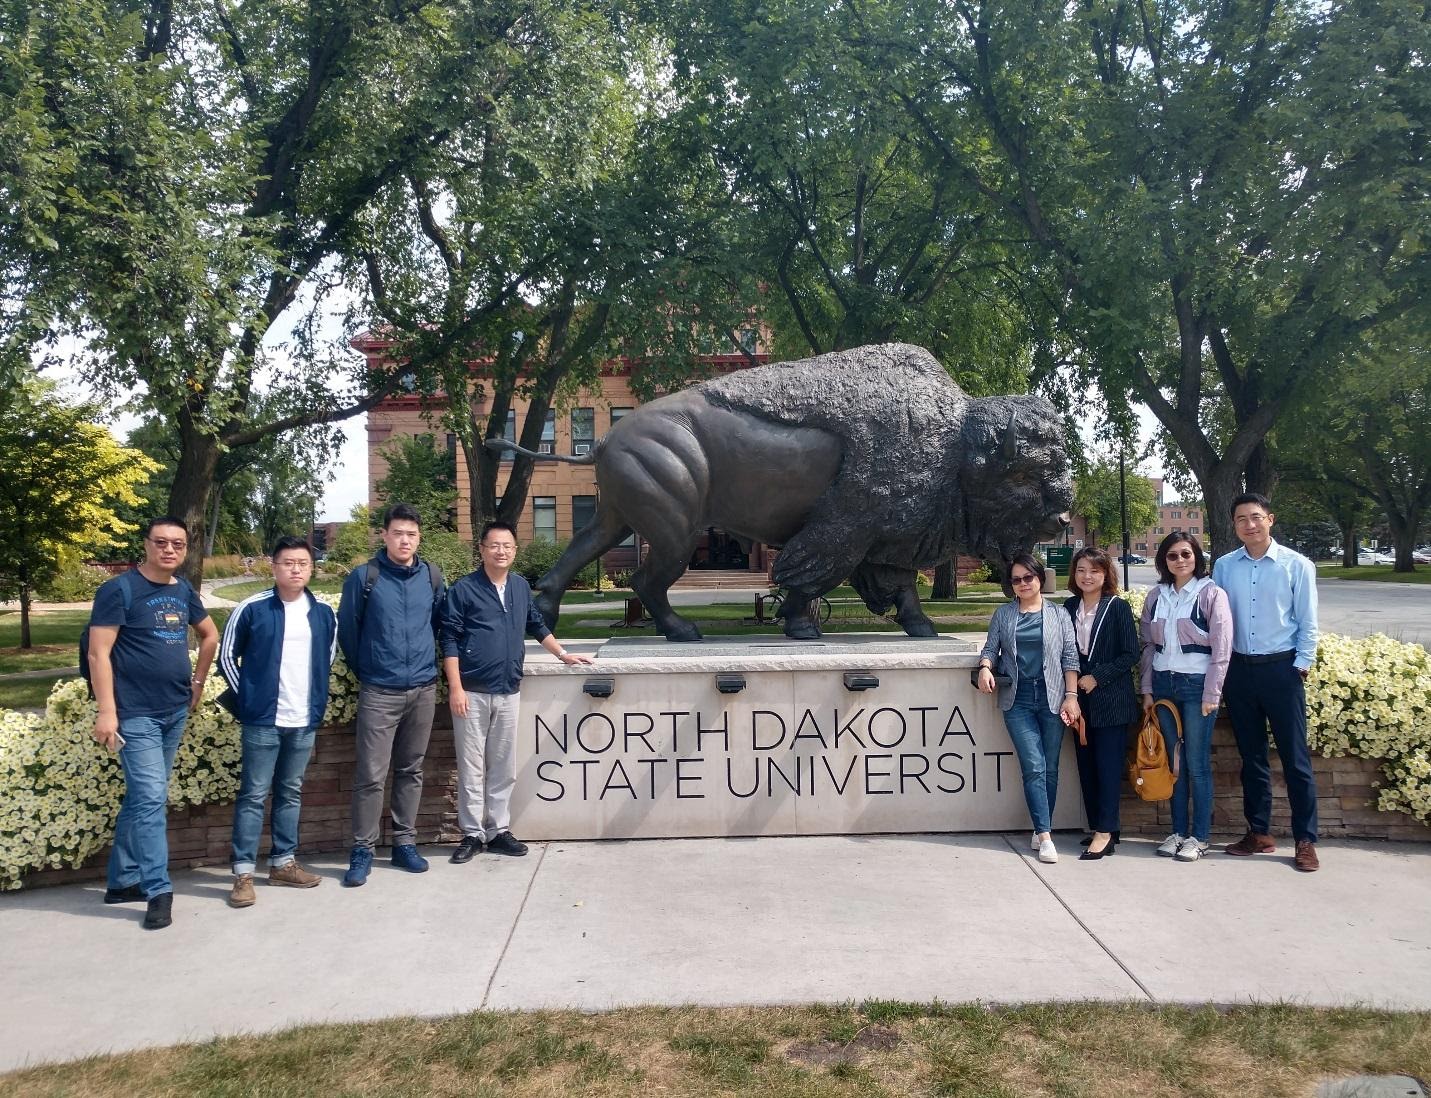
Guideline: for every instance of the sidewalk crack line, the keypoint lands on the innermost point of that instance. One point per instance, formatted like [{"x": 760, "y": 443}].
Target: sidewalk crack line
[
  {"x": 510, "y": 933},
  {"x": 1074, "y": 916}
]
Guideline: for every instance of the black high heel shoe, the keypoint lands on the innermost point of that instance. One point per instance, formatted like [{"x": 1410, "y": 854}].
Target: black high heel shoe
[
  {"x": 1093, "y": 856},
  {"x": 1089, "y": 841}
]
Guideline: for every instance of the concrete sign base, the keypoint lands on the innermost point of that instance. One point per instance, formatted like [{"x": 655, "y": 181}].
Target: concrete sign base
[{"x": 859, "y": 734}]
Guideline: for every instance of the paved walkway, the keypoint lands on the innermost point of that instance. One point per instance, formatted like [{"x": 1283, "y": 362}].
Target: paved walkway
[{"x": 595, "y": 925}]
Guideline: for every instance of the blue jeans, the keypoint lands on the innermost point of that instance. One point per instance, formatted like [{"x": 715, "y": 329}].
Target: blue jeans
[
  {"x": 140, "y": 854},
  {"x": 1195, "y": 772},
  {"x": 273, "y": 759},
  {"x": 1038, "y": 737}
]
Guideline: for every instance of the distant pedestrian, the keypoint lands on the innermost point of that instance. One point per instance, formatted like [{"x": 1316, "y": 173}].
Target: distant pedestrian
[
  {"x": 488, "y": 611},
  {"x": 1273, "y": 595},
  {"x": 1032, "y": 642},
  {"x": 277, "y": 655},
  {"x": 145, "y": 690},
  {"x": 1107, "y": 651},
  {"x": 1187, "y": 641},
  {"x": 387, "y": 622}
]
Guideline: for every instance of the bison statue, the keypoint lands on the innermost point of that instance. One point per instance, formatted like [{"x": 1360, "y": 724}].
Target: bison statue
[{"x": 867, "y": 464}]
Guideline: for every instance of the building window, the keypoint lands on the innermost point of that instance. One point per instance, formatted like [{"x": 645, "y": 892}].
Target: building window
[
  {"x": 1192, "y": 515},
  {"x": 510, "y": 434},
  {"x": 749, "y": 340},
  {"x": 544, "y": 517},
  {"x": 583, "y": 510},
  {"x": 583, "y": 431},
  {"x": 1177, "y": 514},
  {"x": 1177, "y": 529},
  {"x": 1158, "y": 531},
  {"x": 549, "y": 434},
  {"x": 1194, "y": 530},
  {"x": 618, "y": 413}
]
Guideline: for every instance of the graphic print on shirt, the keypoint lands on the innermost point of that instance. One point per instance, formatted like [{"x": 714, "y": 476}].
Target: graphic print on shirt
[{"x": 170, "y": 617}]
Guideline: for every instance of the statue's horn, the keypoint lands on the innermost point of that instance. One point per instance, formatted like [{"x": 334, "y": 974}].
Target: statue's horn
[{"x": 1011, "y": 438}]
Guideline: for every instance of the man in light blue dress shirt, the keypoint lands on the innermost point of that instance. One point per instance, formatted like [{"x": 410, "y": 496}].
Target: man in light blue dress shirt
[{"x": 1273, "y": 594}]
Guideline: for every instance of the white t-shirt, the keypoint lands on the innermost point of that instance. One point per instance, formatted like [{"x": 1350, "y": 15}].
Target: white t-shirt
[{"x": 295, "y": 667}]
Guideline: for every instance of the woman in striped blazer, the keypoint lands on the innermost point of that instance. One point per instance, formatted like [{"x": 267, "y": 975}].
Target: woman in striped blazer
[{"x": 1031, "y": 641}]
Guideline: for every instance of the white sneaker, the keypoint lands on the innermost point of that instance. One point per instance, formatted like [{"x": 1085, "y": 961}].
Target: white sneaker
[
  {"x": 1169, "y": 846},
  {"x": 1047, "y": 852},
  {"x": 1191, "y": 850}
]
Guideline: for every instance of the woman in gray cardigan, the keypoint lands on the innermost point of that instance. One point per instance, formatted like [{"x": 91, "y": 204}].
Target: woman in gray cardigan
[{"x": 1034, "y": 645}]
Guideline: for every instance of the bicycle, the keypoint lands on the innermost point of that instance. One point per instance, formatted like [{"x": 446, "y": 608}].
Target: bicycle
[{"x": 771, "y": 603}]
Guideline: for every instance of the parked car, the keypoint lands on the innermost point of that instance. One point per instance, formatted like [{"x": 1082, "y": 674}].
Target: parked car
[
  {"x": 1133, "y": 558},
  {"x": 1374, "y": 556}
]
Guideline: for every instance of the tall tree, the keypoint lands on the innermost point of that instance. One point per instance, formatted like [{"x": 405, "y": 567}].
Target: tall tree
[
  {"x": 1099, "y": 497},
  {"x": 206, "y": 164},
  {"x": 423, "y": 477},
  {"x": 63, "y": 476},
  {"x": 560, "y": 228},
  {"x": 1236, "y": 196}
]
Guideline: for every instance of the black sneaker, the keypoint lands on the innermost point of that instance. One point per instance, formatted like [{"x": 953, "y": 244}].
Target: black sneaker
[
  {"x": 506, "y": 844},
  {"x": 469, "y": 846},
  {"x": 160, "y": 912},
  {"x": 134, "y": 894}
]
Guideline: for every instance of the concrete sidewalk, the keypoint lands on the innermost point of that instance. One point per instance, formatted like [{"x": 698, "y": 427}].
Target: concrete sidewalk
[{"x": 595, "y": 925}]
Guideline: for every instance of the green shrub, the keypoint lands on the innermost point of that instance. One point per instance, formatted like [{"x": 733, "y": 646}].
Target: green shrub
[
  {"x": 229, "y": 565},
  {"x": 536, "y": 558},
  {"x": 75, "y": 583},
  {"x": 980, "y": 574},
  {"x": 446, "y": 549}
]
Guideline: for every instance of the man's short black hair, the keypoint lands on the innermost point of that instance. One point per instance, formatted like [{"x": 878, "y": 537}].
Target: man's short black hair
[
  {"x": 487, "y": 529},
  {"x": 1251, "y": 497},
  {"x": 404, "y": 511},
  {"x": 290, "y": 541},
  {"x": 165, "y": 520}
]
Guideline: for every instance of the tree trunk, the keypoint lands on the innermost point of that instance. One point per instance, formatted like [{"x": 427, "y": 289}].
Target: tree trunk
[
  {"x": 945, "y": 581},
  {"x": 213, "y": 530},
  {"x": 1403, "y": 540},
  {"x": 189, "y": 496},
  {"x": 25, "y": 641},
  {"x": 1349, "y": 546}
]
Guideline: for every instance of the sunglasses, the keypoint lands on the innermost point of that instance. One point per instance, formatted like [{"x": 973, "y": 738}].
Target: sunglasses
[
  {"x": 1025, "y": 577},
  {"x": 1186, "y": 554}
]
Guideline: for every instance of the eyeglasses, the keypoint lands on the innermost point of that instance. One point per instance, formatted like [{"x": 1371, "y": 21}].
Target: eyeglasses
[
  {"x": 1025, "y": 577},
  {"x": 1186, "y": 554},
  {"x": 169, "y": 543},
  {"x": 500, "y": 547}
]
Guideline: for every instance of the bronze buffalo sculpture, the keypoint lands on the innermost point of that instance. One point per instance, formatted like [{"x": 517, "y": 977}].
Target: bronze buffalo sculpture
[{"x": 867, "y": 464}]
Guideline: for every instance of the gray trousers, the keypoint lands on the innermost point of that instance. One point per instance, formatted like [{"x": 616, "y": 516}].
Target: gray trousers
[
  {"x": 393, "y": 729},
  {"x": 485, "y": 765}
]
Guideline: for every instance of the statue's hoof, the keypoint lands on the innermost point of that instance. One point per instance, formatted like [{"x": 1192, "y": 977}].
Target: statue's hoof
[
  {"x": 922, "y": 628},
  {"x": 683, "y": 633},
  {"x": 802, "y": 630}
]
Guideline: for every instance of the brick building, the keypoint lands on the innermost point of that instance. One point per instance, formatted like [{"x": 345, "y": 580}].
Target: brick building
[
  {"x": 1171, "y": 516},
  {"x": 561, "y": 498}
]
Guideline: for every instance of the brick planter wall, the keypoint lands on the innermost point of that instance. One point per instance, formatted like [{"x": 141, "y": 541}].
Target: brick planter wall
[
  {"x": 200, "y": 835},
  {"x": 1346, "y": 799}
]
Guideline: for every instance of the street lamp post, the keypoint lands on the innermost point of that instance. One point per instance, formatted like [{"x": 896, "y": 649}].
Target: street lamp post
[{"x": 1123, "y": 511}]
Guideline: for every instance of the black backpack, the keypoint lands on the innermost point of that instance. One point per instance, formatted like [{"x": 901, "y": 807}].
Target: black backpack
[{"x": 126, "y": 594}]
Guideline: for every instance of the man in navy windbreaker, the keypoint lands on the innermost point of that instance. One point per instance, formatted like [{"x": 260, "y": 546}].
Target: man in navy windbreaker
[
  {"x": 387, "y": 622},
  {"x": 483, "y": 649},
  {"x": 276, "y": 653}
]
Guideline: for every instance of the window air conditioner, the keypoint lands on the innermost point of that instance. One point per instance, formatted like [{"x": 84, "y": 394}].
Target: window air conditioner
[
  {"x": 580, "y": 448},
  {"x": 546, "y": 448}
]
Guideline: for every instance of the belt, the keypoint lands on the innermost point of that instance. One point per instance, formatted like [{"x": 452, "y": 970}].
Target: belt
[{"x": 1271, "y": 657}]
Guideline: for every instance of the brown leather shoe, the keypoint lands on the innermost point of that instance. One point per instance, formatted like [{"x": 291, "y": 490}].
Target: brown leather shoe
[
  {"x": 1306, "y": 857},
  {"x": 293, "y": 875},
  {"x": 242, "y": 894},
  {"x": 1251, "y": 843}
]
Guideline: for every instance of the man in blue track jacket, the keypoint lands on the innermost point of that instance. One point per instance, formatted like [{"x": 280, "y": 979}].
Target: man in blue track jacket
[
  {"x": 483, "y": 649},
  {"x": 276, "y": 654},
  {"x": 387, "y": 624}
]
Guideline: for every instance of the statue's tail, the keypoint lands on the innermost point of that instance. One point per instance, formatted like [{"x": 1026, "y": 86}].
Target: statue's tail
[{"x": 502, "y": 446}]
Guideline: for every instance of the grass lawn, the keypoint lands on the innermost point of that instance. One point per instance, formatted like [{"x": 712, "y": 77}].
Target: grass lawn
[
  {"x": 55, "y": 634},
  {"x": 26, "y": 693},
  {"x": 1381, "y": 572},
  {"x": 875, "y": 1049}
]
